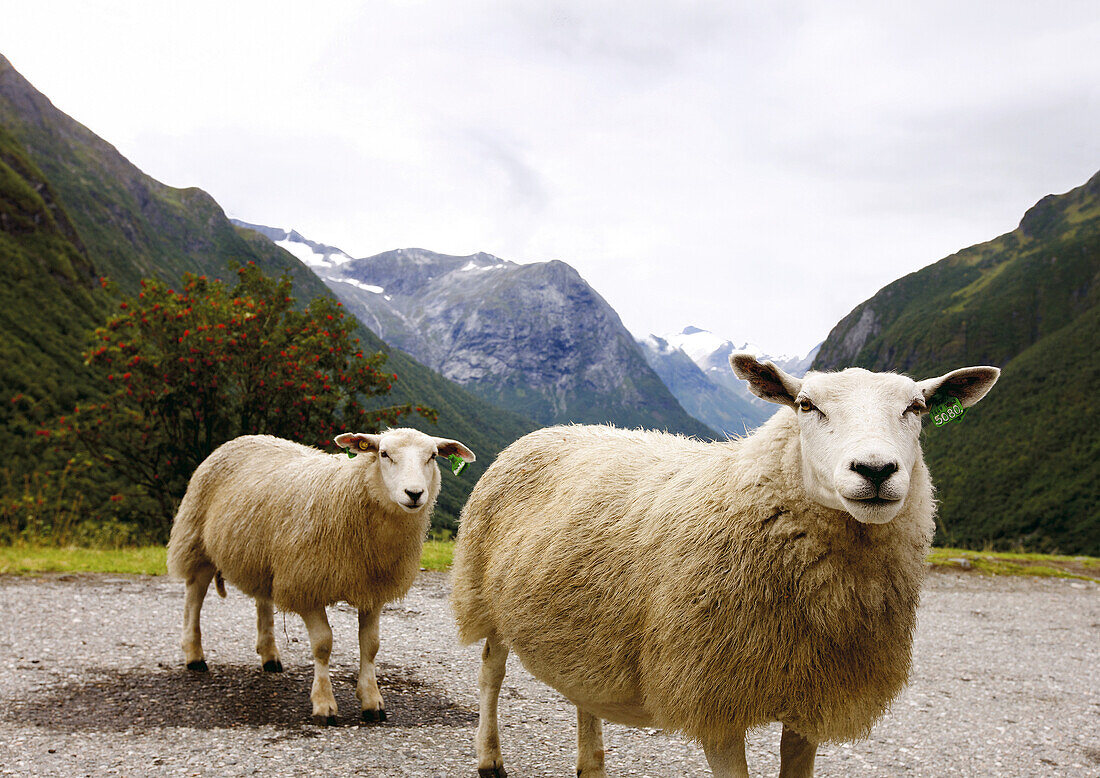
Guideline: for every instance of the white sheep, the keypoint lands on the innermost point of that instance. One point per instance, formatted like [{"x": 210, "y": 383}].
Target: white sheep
[
  {"x": 300, "y": 529},
  {"x": 709, "y": 588}
]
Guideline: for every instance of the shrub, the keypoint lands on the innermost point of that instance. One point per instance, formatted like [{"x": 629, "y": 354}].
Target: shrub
[{"x": 185, "y": 371}]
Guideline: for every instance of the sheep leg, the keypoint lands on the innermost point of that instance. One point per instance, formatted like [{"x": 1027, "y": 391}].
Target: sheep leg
[
  {"x": 197, "y": 584},
  {"x": 727, "y": 759},
  {"x": 320, "y": 640},
  {"x": 796, "y": 755},
  {"x": 589, "y": 745},
  {"x": 494, "y": 658},
  {"x": 265, "y": 637},
  {"x": 370, "y": 699}
]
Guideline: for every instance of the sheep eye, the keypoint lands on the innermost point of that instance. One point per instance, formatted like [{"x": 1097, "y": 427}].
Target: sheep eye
[
  {"x": 916, "y": 408},
  {"x": 383, "y": 454},
  {"x": 806, "y": 405}
]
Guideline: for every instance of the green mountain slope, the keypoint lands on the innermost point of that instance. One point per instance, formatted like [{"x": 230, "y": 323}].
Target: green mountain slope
[
  {"x": 72, "y": 209},
  {"x": 1022, "y": 467},
  {"x": 1025, "y": 464},
  {"x": 986, "y": 303},
  {"x": 49, "y": 299}
]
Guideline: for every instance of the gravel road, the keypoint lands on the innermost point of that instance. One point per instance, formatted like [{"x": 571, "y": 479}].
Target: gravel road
[{"x": 1006, "y": 682}]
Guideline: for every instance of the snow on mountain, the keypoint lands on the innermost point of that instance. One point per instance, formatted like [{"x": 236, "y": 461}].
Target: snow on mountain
[
  {"x": 317, "y": 255},
  {"x": 361, "y": 285},
  {"x": 313, "y": 254},
  {"x": 472, "y": 265},
  {"x": 711, "y": 352},
  {"x": 301, "y": 251},
  {"x": 697, "y": 344},
  {"x": 705, "y": 398},
  {"x": 715, "y": 395}
]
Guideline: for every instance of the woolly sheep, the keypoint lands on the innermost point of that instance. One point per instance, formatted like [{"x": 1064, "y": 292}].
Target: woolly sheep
[
  {"x": 709, "y": 588},
  {"x": 300, "y": 529}
]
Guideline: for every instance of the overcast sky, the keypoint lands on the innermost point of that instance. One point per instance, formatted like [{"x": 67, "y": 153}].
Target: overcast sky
[{"x": 752, "y": 168}]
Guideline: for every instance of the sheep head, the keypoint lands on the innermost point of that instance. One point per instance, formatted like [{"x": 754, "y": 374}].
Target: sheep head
[
  {"x": 406, "y": 462},
  {"x": 860, "y": 431}
]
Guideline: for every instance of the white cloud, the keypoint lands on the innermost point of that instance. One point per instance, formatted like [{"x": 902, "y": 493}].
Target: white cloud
[{"x": 754, "y": 169}]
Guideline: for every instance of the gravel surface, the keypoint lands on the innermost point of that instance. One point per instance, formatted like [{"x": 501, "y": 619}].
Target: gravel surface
[{"x": 1005, "y": 683}]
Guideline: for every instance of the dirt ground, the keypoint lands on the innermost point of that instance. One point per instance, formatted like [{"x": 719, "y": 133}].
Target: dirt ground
[{"x": 1005, "y": 683}]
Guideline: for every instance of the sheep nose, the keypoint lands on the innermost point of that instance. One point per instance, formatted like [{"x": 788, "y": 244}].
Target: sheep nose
[
  {"x": 876, "y": 474},
  {"x": 414, "y": 496}
]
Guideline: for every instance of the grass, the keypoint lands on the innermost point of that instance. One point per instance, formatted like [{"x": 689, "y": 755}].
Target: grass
[
  {"x": 1007, "y": 563},
  {"x": 143, "y": 560},
  {"x": 26, "y": 559},
  {"x": 438, "y": 555}
]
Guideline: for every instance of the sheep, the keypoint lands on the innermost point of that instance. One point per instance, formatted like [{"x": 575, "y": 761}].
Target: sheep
[
  {"x": 300, "y": 529},
  {"x": 711, "y": 587}
]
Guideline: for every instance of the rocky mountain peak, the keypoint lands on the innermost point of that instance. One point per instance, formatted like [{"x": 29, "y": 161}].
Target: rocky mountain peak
[
  {"x": 694, "y": 364},
  {"x": 533, "y": 338}
]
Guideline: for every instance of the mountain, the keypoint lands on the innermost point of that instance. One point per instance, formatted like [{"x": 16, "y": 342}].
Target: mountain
[
  {"x": 50, "y": 298},
  {"x": 711, "y": 353},
  {"x": 535, "y": 338},
  {"x": 1022, "y": 468},
  {"x": 315, "y": 255},
  {"x": 694, "y": 364},
  {"x": 73, "y": 209},
  {"x": 712, "y": 402}
]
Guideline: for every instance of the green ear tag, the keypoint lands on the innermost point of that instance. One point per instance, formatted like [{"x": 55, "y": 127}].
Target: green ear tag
[
  {"x": 351, "y": 454},
  {"x": 948, "y": 412},
  {"x": 458, "y": 464}
]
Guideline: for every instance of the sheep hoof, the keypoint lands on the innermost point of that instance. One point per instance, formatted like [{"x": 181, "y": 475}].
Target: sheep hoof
[
  {"x": 324, "y": 721},
  {"x": 491, "y": 772},
  {"x": 198, "y": 665},
  {"x": 273, "y": 666},
  {"x": 374, "y": 715}
]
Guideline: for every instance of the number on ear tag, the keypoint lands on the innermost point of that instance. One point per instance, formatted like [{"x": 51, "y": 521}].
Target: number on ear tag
[
  {"x": 458, "y": 464},
  {"x": 948, "y": 412}
]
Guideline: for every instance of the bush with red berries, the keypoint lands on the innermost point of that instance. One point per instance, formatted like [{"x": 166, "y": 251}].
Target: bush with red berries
[{"x": 187, "y": 370}]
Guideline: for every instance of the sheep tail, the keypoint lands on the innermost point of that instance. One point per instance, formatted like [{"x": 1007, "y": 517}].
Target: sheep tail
[{"x": 219, "y": 583}]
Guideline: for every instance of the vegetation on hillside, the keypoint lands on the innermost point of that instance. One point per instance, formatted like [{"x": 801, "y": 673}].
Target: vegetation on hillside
[
  {"x": 49, "y": 301},
  {"x": 49, "y": 297},
  {"x": 1023, "y": 469}
]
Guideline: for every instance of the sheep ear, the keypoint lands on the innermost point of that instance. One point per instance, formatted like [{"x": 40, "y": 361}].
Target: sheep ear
[
  {"x": 969, "y": 384},
  {"x": 358, "y": 441},
  {"x": 765, "y": 379},
  {"x": 447, "y": 447}
]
